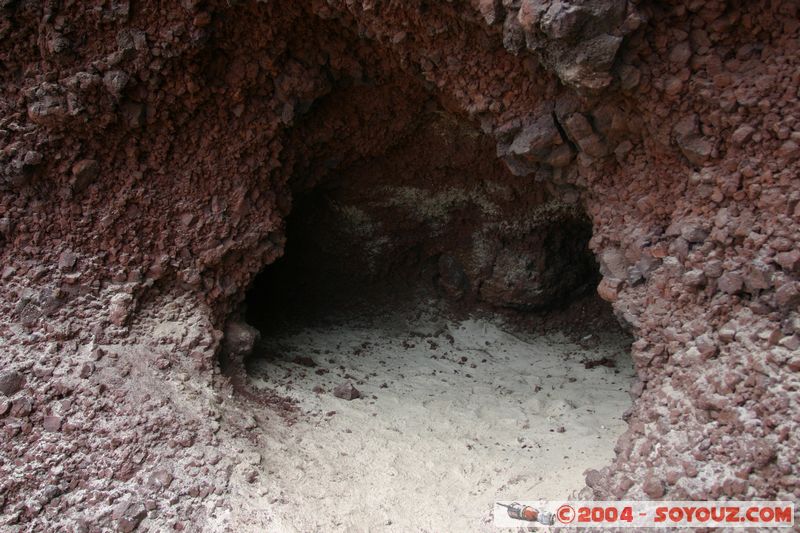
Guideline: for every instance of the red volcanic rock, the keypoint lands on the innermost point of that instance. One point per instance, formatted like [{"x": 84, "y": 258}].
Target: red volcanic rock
[{"x": 150, "y": 157}]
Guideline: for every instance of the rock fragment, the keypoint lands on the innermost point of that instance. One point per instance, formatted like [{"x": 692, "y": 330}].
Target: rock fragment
[
  {"x": 11, "y": 382},
  {"x": 84, "y": 173},
  {"x": 129, "y": 515},
  {"x": 653, "y": 488},
  {"x": 346, "y": 391},
  {"x": 52, "y": 423}
]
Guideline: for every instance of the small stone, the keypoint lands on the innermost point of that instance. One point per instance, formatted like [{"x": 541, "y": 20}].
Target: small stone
[
  {"x": 11, "y": 382},
  {"x": 726, "y": 334},
  {"x": 87, "y": 369},
  {"x": 202, "y": 19},
  {"x": 706, "y": 346},
  {"x": 120, "y": 308},
  {"x": 115, "y": 81},
  {"x": 696, "y": 149},
  {"x": 693, "y": 233},
  {"x": 51, "y": 423},
  {"x": 680, "y": 54},
  {"x": 535, "y": 141},
  {"x": 758, "y": 276},
  {"x": 713, "y": 268},
  {"x": 67, "y": 261},
  {"x": 32, "y": 158},
  {"x": 160, "y": 479},
  {"x": 789, "y": 150},
  {"x": 730, "y": 282},
  {"x": 608, "y": 289},
  {"x": 695, "y": 278},
  {"x": 742, "y": 134},
  {"x": 792, "y": 342},
  {"x": 129, "y": 515},
  {"x": 346, "y": 391},
  {"x": 84, "y": 172},
  {"x": 21, "y": 407},
  {"x": 653, "y": 488},
  {"x": 629, "y": 77},
  {"x": 788, "y": 296},
  {"x": 788, "y": 261},
  {"x": 490, "y": 10}
]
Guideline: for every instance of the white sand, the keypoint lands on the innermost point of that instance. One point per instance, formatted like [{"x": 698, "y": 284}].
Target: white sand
[{"x": 443, "y": 441}]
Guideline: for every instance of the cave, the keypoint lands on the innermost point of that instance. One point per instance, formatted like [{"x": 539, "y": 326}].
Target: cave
[
  {"x": 394, "y": 262},
  {"x": 426, "y": 282}
]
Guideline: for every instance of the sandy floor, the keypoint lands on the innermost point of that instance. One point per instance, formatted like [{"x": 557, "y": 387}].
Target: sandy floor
[{"x": 453, "y": 416}]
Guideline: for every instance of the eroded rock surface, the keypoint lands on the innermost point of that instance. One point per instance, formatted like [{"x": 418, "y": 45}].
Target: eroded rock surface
[{"x": 148, "y": 157}]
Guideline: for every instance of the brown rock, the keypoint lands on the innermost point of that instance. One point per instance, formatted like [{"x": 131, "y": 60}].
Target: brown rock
[
  {"x": 84, "y": 173},
  {"x": 742, "y": 135},
  {"x": 680, "y": 54},
  {"x": 730, "y": 282},
  {"x": 608, "y": 289},
  {"x": 758, "y": 276},
  {"x": 629, "y": 77}
]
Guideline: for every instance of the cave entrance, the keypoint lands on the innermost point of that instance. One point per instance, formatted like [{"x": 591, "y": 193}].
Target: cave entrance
[{"x": 434, "y": 319}]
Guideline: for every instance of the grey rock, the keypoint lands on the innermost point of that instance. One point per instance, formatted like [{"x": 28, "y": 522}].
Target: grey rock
[
  {"x": 346, "y": 391},
  {"x": 11, "y": 382},
  {"x": 536, "y": 140},
  {"x": 694, "y": 278},
  {"x": 115, "y": 82},
  {"x": 129, "y": 515}
]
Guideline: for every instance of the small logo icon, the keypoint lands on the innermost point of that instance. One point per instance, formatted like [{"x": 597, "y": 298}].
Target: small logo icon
[{"x": 565, "y": 514}]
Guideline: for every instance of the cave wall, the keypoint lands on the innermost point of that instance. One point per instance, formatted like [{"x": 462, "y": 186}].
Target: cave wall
[
  {"x": 429, "y": 205},
  {"x": 149, "y": 152}
]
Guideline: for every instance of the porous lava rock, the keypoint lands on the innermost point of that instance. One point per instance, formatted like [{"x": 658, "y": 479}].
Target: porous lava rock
[{"x": 149, "y": 153}]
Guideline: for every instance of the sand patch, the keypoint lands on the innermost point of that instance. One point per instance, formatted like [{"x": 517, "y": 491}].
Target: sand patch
[{"x": 454, "y": 415}]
